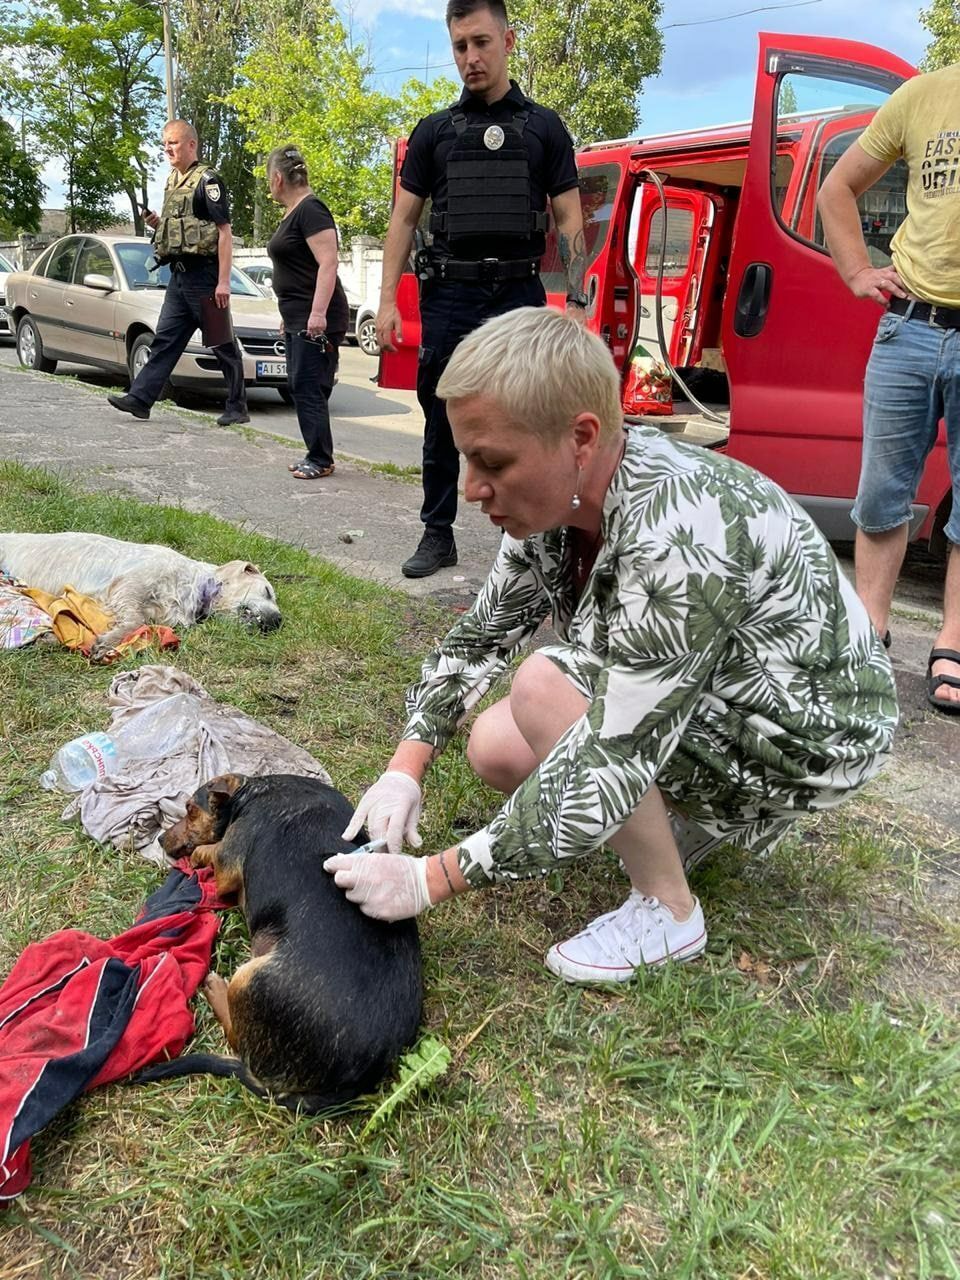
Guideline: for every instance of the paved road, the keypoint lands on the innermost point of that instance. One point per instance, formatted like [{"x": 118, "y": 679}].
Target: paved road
[{"x": 378, "y": 426}]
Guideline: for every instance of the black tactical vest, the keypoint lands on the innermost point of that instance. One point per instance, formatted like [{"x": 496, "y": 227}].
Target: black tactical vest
[{"x": 488, "y": 188}]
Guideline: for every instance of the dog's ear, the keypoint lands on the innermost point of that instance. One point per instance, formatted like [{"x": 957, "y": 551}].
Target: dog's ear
[
  {"x": 220, "y": 791},
  {"x": 251, "y": 568}
]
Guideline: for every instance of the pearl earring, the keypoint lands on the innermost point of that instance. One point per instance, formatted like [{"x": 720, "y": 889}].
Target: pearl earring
[{"x": 575, "y": 500}]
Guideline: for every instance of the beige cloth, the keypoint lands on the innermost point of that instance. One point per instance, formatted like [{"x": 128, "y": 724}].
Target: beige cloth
[{"x": 130, "y": 808}]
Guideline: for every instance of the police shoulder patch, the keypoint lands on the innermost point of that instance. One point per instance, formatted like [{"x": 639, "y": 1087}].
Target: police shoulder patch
[{"x": 214, "y": 190}]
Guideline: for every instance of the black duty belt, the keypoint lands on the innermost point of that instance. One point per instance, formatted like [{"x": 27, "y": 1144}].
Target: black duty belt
[
  {"x": 927, "y": 312},
  {"x": 483, "y": 271}
]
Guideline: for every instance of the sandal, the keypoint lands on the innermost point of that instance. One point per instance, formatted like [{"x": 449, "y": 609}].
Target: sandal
[
  {"x": 296, "y": 466},
  {"x": 934, "y": 682},
  {"x": 310, "y": 471}
]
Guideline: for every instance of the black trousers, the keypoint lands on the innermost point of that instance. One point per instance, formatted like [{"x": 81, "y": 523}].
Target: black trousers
[
  {"x": 448, "y": 312},
  {"x": 310, "y": 375},
  {"x": 179, "y": 317}
]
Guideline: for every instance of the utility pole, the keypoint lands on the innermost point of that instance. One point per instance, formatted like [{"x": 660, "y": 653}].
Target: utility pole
[{"x": 168, "y": 58}]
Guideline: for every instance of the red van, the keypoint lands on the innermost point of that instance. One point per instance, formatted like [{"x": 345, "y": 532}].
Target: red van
[{"x": 752, "y": 311}]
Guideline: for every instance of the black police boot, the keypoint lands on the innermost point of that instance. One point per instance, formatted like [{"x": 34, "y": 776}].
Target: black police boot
[
  {"x": 437, "y": 550},
  {"x": 232, "y": 417},
  {"x": 130, "y": 404}
]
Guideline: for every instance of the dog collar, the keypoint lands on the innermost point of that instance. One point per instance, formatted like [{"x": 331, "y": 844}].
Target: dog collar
[{"x": 210, "y": 588}]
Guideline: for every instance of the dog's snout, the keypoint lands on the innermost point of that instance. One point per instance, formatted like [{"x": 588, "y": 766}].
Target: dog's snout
[{"x": 268, "y": 621}]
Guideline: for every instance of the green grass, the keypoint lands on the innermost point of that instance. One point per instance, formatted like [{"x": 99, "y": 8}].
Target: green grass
[{"x": 789, "y": 1107}]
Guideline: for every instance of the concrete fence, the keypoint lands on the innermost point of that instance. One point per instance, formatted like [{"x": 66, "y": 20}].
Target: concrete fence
[{"x": 361, "y": 266}]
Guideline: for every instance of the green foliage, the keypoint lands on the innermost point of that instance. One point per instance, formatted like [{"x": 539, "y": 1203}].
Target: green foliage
[
  {"x": 90, "y": 99},
  {"x": 21, "y": 190},
  {"x": 304, "y": 81},
  {"x": 587, "y": 59},
  {"x": 942, "y": 20},
  {"x": 423, "y": 1064}
]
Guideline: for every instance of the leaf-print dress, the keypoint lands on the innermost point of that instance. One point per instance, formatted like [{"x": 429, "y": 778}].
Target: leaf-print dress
[{"x": 724, "y": 653}]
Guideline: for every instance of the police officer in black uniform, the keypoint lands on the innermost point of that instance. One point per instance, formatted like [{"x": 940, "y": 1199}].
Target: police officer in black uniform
[
  {"x": 488, "y": 164},
  {"x": 192, "y": 237}
]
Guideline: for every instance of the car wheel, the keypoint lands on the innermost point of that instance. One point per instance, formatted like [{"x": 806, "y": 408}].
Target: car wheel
[
  {"x": 138, "y": 357},
  {"x": 30, "y": 348},
  {"x": 367, "y": 336},
  {"x": 285, "y": 395}
]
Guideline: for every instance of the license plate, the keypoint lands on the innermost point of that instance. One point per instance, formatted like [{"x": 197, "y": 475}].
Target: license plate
[{"x": 271, "y": 368}]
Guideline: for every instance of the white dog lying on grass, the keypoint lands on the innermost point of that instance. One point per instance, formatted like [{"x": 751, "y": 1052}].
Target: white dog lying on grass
[{"x": 139, "y": 582}]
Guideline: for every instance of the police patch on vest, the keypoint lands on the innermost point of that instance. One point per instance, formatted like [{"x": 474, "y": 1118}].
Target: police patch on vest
[
  {"x": 213, "y": 191},
  {"x": 493, "y": 138}
]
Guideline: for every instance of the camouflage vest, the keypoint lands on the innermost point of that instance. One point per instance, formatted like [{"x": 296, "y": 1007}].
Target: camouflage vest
[{"x": 180, "y": 231}]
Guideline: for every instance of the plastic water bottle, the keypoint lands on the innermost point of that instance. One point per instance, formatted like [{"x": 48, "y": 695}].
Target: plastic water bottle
[
  {"x": 79, "y": 763},
  {"x": 159, "y": 728},
  {"x": 155, "y": 732}
]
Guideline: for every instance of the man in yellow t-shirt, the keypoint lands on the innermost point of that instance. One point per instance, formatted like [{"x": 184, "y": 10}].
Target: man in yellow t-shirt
[{"x": 913, "y": 376}]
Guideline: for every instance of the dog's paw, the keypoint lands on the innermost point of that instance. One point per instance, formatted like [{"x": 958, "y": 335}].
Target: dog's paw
[{"x": 202, "y": 855}]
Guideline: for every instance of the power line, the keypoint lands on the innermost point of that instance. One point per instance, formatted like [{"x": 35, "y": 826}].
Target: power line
[
  {"x": 668, "y": 26},
  {"x": 766, "y": 8}
]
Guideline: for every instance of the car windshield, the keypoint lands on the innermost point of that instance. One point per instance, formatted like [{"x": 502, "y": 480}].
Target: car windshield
[
  {"x": 142, "y": 272},
  {"x": 6, "y": 264}
]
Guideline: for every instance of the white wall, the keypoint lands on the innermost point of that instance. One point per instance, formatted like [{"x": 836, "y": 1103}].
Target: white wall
[{"x": 361, "y": 265}]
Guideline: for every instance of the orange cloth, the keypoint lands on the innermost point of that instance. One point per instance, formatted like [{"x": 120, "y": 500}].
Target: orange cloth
[
  {"x": 143, "y": 638},
  {"x": 76, "y": 619}
]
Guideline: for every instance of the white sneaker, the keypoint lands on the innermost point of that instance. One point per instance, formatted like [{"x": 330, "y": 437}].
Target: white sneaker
[{"x": 613, "y": 947}]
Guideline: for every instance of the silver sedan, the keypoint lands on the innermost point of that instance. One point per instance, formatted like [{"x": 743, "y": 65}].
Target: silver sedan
[{"x": 96, "y": 300}]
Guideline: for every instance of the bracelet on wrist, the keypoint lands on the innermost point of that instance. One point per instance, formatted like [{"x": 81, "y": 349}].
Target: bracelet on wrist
[{"x": 446, "y": 873}]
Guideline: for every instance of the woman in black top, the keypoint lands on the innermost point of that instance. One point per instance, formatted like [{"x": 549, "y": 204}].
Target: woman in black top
[{"x": 313, "y": 306}]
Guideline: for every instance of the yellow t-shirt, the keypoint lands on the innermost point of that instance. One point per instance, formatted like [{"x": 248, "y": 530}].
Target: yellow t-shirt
[{"x": 920, "y": 123}]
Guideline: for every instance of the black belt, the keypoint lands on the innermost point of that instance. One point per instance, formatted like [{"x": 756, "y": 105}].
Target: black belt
[
  {"x": 927, "y": 312},
  {"x": 483, "y": 271}
]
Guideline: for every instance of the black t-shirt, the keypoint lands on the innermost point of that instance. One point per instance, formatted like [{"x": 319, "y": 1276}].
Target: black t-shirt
[
  {"x": 549, "y": 147},
  {"x": 295, "y": 269}
]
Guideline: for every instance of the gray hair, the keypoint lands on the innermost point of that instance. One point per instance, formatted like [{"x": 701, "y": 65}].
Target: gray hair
[
  {"x": 184, "y": 127},
  {"x": 288, "y": 161},
  {"x": 542, "y": 368}
]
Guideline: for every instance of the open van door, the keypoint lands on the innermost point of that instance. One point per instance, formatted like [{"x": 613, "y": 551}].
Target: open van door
[
  {"x": 398, "y": 369},
  {"x": 795, "y": 339}
]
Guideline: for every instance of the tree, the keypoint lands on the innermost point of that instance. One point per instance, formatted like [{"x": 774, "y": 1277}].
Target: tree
[
  {"x": 942, "y": 20},
  {"x": 587, "y": 59},
  {"x": 21, "y": 190},
  {"x": 305, "y": 81},
  {"x": 92, "y": 101},
  {"x": 208, "y": 55}
]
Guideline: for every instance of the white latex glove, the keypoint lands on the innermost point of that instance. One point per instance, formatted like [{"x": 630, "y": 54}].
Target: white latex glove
[
  {"x": 387, "y": 886},
  {"x": 391, "y": 809}
]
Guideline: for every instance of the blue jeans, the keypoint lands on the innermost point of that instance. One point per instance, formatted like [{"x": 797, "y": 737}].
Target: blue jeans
[
  {"x": 912, "y": 381},
  {"x": 310, "y": 375}
]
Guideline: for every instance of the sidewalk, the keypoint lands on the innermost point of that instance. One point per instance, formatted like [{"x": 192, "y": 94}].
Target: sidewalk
[
  {"x": 364, "y": 522},
  {"x": 367, "y": 523}
]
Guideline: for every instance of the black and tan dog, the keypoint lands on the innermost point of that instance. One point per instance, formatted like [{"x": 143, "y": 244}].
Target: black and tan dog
[{"x": 330, "y": 997}]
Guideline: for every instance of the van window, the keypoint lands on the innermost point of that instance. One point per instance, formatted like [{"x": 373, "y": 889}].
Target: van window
[
  {"x": 882, "y": 208},
  {"x": 679, "y": 243},
  {"x": 820, "y": 113},
  {"x": 598, "y": 189}
]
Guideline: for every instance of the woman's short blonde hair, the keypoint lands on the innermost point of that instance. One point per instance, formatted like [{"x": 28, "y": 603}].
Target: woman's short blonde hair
[{"x": 541, "y": 367}]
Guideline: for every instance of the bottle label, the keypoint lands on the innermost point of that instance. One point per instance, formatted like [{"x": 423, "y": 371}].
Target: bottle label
[{"x": 98, "y": 754}]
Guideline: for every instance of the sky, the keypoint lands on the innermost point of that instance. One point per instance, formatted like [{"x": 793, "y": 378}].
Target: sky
[{"x": 710, "y": 51}]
